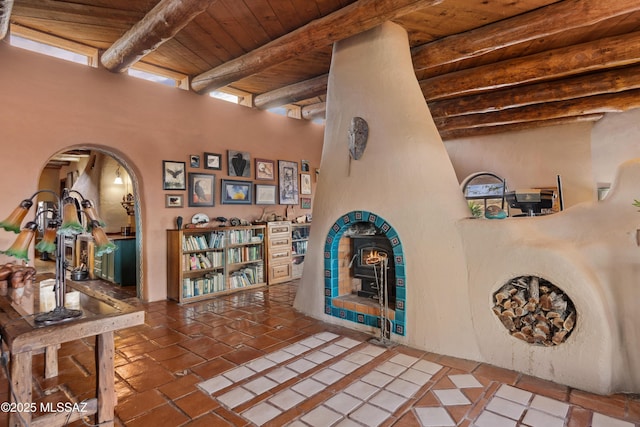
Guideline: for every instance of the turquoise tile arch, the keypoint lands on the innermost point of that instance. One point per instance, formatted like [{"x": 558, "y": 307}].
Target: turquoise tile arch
[{"x": 331, "y": 270}]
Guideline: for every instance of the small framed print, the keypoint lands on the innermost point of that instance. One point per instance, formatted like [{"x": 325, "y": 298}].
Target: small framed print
[
  {"x": 201, "y": 189},
  {"x": 288, "y": 185},
  {"x": 305, "y": 202},
  {"x": 236, "y": 192},
  {"x": 265, "y": 194},
  {"x": 264, "y": 169},
  {"x": 304, "y": 166},
  {"x": 305, "y": 183},
  {"x": 173, "y": 200},
  {"x": 212, "y": 161},
  {"x": 239, "y": 163},
  {"x": 173, "y": 176},
  {"x": 194, "y": 161}
]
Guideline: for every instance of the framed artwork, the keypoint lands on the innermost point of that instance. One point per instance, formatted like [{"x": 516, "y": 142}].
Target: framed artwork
[
  {"x": 265, "y": 194},
  {"x": 236, "y": 192},
  {"x": 288, "y": 180},
  {"x": 173, "y": 175},
  {"x": 264, "y": 169},
  {"x": 305, "y": 183},
  {"x": 239, "y": 163},
  {"x": 304, "y": 166},
  {"x": 201, "y": 189},
  {"x": 194, "y": 161},
  {"x": 305, "y": 202},
  {"x": 173, "y": 200},
  {"x": 212, "y": 161}
]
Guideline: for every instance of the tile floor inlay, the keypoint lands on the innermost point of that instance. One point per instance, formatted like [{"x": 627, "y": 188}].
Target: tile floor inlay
[{"x": 249, "y": 359}]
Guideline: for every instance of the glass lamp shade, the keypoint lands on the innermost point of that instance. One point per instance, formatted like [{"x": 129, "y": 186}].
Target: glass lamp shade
[
  {"x": 70, "y": 223},
  {"x": 48, "y": 242},
  {"x": 102, "y": 243},
  {"x": 20, "y": 248},
  {"x": 90, "y": 210},
  {"x": 12, "y": 223}
]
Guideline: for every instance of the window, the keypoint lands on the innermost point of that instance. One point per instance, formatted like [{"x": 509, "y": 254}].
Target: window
[
  {"x": 224, "y": 96},
  {"x": 46, "y": 49},
  {"x": 145, "y": 75}
]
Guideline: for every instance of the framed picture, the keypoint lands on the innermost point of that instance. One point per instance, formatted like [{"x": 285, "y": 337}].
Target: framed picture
[
  {"x": 194, "y": 161},
  {"x": 236, "y": 192},
  {"x": 173, "y": 175},
  {"x": 305, "y": 183},
  {"x": 173, "y": 200},
  {"x": 264, "y": 169},
  {"x": 288, "y": 180},
  {"x": 304, "y": 166},
  {"x": 212, "y": 161},
  {"x": 305, "y": 202},
  {"x": 265, "y": 194},
  {"x": 239, "y": 163},
  {"x": 201, "y": 189}
]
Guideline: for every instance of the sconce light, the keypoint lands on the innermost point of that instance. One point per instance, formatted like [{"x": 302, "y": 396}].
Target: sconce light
[
  {"x": 65, "y": 222},
  {"x": 118, "y": 179}
]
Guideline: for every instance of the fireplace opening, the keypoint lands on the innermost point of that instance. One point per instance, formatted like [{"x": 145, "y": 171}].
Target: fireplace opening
[{"x": 368, "y": 252}]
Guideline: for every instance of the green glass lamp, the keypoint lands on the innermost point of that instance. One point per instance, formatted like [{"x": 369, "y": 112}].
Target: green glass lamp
[{"x": 14, "y": 220}]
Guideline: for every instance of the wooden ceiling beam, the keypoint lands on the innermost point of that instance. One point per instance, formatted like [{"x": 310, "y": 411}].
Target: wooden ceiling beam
[
  {"x": 597, "y": 55},
  {"x": 5, "y": 15},
  {"x": 608, "y": 103},
  {"x": 316, "y": 86},
  {"x": 513, "y": 127},
  {"x": 528, "y": 27},
  {"x": 312, "y": 111},
  {"x": 612, "y": 81},
  {"x": 350, "y": 20},
  {"x": 162, "y": 23}
]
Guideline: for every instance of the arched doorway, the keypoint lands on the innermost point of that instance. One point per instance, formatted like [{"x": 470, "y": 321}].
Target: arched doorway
[{"x": 106, "y": 178}]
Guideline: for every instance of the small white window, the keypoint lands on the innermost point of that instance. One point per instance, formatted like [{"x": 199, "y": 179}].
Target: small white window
[{"x": 47, "y": 49}]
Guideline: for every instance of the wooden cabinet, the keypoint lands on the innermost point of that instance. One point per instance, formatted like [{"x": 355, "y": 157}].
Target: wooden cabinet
[
  {"x": 118, "y": 266},
  {"x": 299, "y": 240},
  {"x": 205, "y": 262},
  {"x": 279, "y": 251}
]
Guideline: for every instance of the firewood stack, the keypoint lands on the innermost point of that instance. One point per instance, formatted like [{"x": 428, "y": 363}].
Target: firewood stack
[{"x": 535, "y": 311}]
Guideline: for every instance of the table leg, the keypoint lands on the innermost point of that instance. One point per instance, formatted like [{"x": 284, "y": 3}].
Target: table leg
[
  {"x": 21, "y": 388},
  {"x": 105, "y": 393},
  {"x": 51, "y": 361}
]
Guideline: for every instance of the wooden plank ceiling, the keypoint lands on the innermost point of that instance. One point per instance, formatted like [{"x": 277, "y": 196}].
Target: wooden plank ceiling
[{"x": 484, "y": 66}]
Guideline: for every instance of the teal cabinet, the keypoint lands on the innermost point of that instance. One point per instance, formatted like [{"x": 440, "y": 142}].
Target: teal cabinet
[{"x": 120, "y": 265}]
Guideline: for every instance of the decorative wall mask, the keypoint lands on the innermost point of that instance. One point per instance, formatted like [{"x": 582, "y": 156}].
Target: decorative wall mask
[{"x": 358, "y": 135}]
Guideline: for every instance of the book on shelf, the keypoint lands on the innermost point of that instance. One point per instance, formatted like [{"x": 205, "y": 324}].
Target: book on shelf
[{"x": 193, "y": 287}]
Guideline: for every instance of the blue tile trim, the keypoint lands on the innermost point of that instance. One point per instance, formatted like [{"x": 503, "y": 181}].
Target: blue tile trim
[{"x": 331, "y": 271}]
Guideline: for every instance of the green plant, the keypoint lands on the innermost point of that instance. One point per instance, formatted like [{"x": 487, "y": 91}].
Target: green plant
[{"x": 476, "y": 210}]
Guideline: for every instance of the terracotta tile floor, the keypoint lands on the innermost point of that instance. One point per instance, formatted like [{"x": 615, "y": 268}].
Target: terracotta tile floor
[{"x": 251, "y": 359}]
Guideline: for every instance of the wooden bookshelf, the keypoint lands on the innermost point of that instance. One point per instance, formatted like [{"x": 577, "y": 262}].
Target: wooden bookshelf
[
  {"x": 206, "y": 262},
  {"x": 299, "y": 241}
]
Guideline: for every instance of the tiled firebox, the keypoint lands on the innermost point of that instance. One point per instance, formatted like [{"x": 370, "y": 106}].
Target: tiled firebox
[{"x": 332, "y": 272}]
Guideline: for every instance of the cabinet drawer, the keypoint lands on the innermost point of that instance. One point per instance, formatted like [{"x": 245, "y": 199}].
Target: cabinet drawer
[
  {"x": 279, "y": 242},
  {"x": 283, "y": 227},
  {"x": 281, "y": 255},
  {"x": 280, "y": 271}
]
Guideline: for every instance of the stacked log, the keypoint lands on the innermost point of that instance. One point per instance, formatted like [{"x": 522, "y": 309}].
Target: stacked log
[{"x": 534, "y": 310}]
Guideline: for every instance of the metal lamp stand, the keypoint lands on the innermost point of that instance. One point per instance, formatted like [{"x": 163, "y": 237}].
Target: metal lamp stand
[{"x": 60, "y": 313}]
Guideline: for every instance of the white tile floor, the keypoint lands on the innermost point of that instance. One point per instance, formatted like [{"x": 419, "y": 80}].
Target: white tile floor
[{"x": 310, "y": 366}]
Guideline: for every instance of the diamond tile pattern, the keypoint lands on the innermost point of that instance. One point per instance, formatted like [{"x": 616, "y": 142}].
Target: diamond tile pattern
[{"x": 303, "y": 372}]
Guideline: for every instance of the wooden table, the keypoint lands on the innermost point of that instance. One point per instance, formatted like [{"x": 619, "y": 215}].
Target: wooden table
[{"x": 23, "y": 337}]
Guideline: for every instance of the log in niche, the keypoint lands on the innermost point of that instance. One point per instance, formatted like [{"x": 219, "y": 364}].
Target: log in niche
[{"x": 534, "y": 310}]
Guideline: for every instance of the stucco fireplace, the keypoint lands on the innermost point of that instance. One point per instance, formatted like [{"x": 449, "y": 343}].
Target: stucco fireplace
[{"x": 450, "y": 269}]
